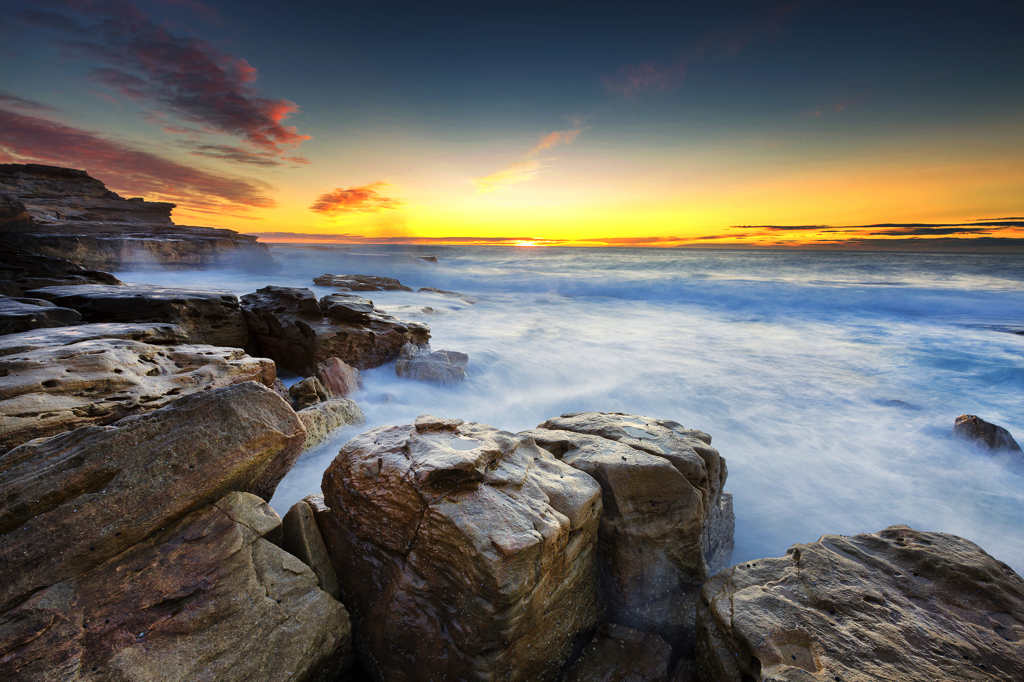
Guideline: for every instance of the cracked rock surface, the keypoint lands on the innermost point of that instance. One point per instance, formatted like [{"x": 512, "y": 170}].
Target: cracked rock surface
[
  {"x": 465, "y": 552},
  {"x": 899, "y": 605}
]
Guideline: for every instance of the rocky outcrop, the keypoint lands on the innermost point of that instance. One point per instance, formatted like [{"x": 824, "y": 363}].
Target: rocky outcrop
[
  {"x": 207, "y": 315},
  {"x": 64, "y": 213},
  {"x": 152, "y": 333},
  {"x": 666, "y": 526},
  {"x": 620, "y": 654},
  {"x": 209, "y": 596},
  {"x": 899, "y": 604},
  {"x": 24, "y": 314},
  {"x": 321, "y": 419},
  {"x": 21, "y": 271},
  {"x": 994, "y": 437},
  {"x": 307, "y": 392},
  {"x": 59, "y": 388},
  {"x": 299, "y": 333},
  {"x": 417, "y": 361},
  {"x": 78, "y": 499},
  {"x": 445, "y": 292},
  {"x": 465, "y": 552},
  {"x": 339, "y": 380},
  {"x": 360, "y": 283},
  {"x": 302, "y": 539}
]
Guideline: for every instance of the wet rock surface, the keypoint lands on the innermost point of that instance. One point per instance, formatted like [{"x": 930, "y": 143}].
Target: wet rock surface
[
  {"x": 899, "y": 604},
  {"x": 994, "y": 437},
  {"x": 307, "y": 392},
  {"x": 465, "y": 552},
  {"x": 75, "y": 500},
  {"x": 323, "y": 418},
  {"x": 302, "y": 539},
  {"x": 59, "y": 388},
  {"x": 21, "y": 271},
  {"x": 299, "y": 332},
  {"x": 25, "y": 314},
  {"x": 617, "y": 653},
  {"x": 360, "y": 283},
  {"x": 339, "y": 379},
  {"x": 207, "y": 597},
  {"x": 152, "y": 333},
  {"x": 207, "y": 315},
  {"x": 418, "y": 362}
]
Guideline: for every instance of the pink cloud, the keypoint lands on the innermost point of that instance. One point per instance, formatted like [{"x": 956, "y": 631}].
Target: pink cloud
[{"x": 363, "y": 199}]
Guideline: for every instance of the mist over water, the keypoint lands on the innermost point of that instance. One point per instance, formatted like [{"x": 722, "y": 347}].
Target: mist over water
[{"x": 829, "y": 381}]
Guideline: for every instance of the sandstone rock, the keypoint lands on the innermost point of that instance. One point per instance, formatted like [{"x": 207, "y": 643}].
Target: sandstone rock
[
  {"x": 55, "y": 389},
  {"x": 152, "y": 333},
  {"x": 360, "y": 283},
  {"x": 464, "y": 551},
  {"x": 24, "y": 314},
  {"x": 340, "y": 380},
  {"x": 75, "y": 500},
  {"x": 21, "y": 271},
  {"x": 307, "y": 392},
  {"x": 323, "y": 418},
  {"x": 445, "y": 292},
  {"x": 995, "y": 437},
  {"x": 900, "y": 605},
  {"x": 416, "y": 361},
  {"x": 207, "y": 315},
  {"x": 299, "y": 333},
  {"x": 620, "y": 654},
  {"x": 204, "y": 598},
  {"x": 302, "y": 538}
]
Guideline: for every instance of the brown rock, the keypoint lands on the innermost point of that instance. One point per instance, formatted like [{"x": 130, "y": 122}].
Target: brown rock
[
  {"x": 416, "y": 361},
  {"x": 620, "y": 654},
  {"x": 302, "y": 538},
  {"x": 339, "y": 379},
  {"x": 207, "y": 315},
  {"x": 299, "y": 333},
  {"x": 307, "y": 392},
  {"x": 152, "y": 333},
  {"x": 55, "y": 389},
  {"x": 467, "y": 552},
  {"x": 24, "y": 314},
  {"x": 22, "y": 270},
  {"x": 75, "y": 500},
  {"x": 321, "y": 419},
  {"x": 360, "y": 283},
  {"x": 995, "y": 437},
  {"x": 206, "y": 598},
  {"x": 900, "y": 605}
]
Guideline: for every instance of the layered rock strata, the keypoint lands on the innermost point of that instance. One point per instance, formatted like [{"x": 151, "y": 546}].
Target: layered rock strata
[
  {"x": 152, "y": 333},
  {"x": 25, "y": 314},
  {"x": 900, "y": 604},
  {"x": 465, "y": 552},
  {"x": 22, "y": 270},
  {"x": 417, "y": 361},
  {"x": 299, "y": 332}
]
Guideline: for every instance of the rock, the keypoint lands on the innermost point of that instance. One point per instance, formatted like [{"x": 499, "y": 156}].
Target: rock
[
  {"x": 416, "y": 361},
  {"x": 686, "y": 671},
  {"x": 75, "y": 500},
  {"x": 445, "y": 292},
  {"x": 995, "y": 437},
  {"x": 620, "y": 654},
  {"x": 21, "y": 271},
  {"x": 307, "y": 392},
  {"x": 25, "y": 314},
  {"x": 204, "y": 598},
  {"x": 64, "y": 213},
  {"x": 340, "y": 380},
  {"x": 302, "y": 539},
  {"x": 465, "y": 552},
  {"x": 899, "y": 604},
  {"x": 207, "y": 315},
  {"x": 299, "y": 333},
  {"x": 323, "y": 418},
  {"x": 55, "y": 389},
  {"x": 360, "y": 283},
  {"x": 152, "y": 333}
]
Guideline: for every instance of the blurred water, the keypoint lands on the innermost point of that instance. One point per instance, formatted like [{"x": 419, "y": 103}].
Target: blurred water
[{"x": 829, "y": 381}]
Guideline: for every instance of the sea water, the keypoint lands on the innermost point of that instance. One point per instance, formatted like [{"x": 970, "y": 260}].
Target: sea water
[{"x": 828, "y": 380}]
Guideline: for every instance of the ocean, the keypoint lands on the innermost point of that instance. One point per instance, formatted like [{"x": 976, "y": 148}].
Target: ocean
[{"x": 828, "y": 380}]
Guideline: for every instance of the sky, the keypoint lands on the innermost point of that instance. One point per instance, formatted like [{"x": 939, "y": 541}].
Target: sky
[{"x": 752, "y": 124}]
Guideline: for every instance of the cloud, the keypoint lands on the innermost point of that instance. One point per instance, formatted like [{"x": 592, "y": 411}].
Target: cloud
[
  {"x": 779, "y": 227},
  {"x": 364, "y": 199},
  {"x": 33, "y": 139},
  {"x": 556, "y": 138},
  {"x": 841, "y": 103},
  {"x": 185, "y": 77},
  {"x": 528, "y": 168},
  {"x": 26, "y": 104},
  {"x": 631, "y": 81},
  {"x": 226, "y": 152}
]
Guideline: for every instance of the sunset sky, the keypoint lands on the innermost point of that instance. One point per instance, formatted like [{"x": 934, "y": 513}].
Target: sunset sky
[{"x": 753, "y": 123}]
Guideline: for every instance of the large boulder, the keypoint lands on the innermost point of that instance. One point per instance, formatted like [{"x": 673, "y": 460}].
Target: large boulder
[
  {"x": 209, "y": 596},
  {"x": 620, "y": 654},
  {"x": 299, "y": 332},
  {"x": 25, "y": 314},
  {"x": 994, "y": 437},
  {"x": 60, "y": 388},
  {"x": 417, "y": 361},
  {"x": 667, "y": 526},
  {"x": 72, "y": 501},
  {"x": 360, "y": 282},
  {"x": 207, "y": 315},
  {"x": 22, "y": 270},
  {"x": 322, "y": 419},
  {"x": 465, "y": 552},
  {"x": 899, "y": 604},
  {"x": 339, "y": 379},
  {"x": 153, "y": 333}
]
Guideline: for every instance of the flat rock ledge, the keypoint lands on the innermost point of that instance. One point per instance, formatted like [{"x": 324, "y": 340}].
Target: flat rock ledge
[
  {"x": 360, "y": 283},
  {"x": 22, "y": 314},
  {"x": 152, "y": 333},
  {"x": 899, "y": 604}
]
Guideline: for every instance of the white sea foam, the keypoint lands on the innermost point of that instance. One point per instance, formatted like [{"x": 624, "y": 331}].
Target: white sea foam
[{"x": 829, "y": 381}]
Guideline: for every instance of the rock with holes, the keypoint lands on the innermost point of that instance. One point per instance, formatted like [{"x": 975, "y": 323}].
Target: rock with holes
[
  {"x": 300, "y": 333},
  {"x": 360, "y": 282},
  {"x": 207, "y": 315},
  {"x": 59, "y": 388},
  {"x": 465, "y": 552},
  {"x": 901, "y": 605},
  {"x": 208, "y": 597},
  {"x": 72, "y": 501},
  {"x": 417, "y": 361},
  {"x": 24, "y": 314},
  {"x": 992, "y": 436},
  {"x": 666, "y": 526},
  {"x": 324, "y": 418},
  {"x": 160, "y": 334},
  {"x": 620, "y": 654}
]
